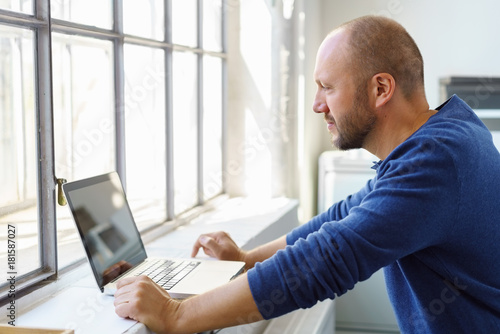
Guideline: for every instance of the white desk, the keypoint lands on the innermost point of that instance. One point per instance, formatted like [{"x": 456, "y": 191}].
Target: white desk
[{"x": 83, "y": 308}]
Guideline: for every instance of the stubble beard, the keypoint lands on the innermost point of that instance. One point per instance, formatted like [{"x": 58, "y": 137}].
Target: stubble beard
[{"x": 355, "y": 126}]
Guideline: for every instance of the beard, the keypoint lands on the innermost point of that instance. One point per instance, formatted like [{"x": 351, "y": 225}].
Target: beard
[{"x": 358, "y": 122}]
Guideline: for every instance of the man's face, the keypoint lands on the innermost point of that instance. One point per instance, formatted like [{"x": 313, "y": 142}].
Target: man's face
[{"x": 343, "y": 102}]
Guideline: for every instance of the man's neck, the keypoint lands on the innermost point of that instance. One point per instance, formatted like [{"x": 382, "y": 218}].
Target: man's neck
[{"x": 396, "y": 124}]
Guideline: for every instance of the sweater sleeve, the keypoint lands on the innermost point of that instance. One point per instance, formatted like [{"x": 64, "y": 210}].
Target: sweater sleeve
[
  {"x": 406, "y": 209},
  {"x": 336, "y": 212}
]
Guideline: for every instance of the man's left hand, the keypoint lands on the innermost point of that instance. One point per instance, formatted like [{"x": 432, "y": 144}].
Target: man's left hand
[{"x": 139, "y": 298}]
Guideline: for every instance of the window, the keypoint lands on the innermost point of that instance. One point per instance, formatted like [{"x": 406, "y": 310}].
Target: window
[
  {"x": 136, "y": 87},
  {"x": 18, "y": 173}
]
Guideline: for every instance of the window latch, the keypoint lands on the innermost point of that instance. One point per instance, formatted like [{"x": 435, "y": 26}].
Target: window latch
[{"x": 60, "y": 194}]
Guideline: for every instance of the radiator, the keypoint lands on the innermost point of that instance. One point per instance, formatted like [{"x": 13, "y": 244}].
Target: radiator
[{"x": 319, "y": 319}]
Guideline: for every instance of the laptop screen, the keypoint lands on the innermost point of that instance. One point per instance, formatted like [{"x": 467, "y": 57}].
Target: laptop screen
[{"x": 106, "y": 225}]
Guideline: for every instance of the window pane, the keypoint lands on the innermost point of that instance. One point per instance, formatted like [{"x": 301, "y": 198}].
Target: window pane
[
  {"x": 24, "y": 6},
  {"x": 144, "y": 18},
  {"x": 145, "y": 134},
  {"x": 18, "y": 154},
  {"x": 212, "y": 126},
  {"x": 184, "y": 22},
  {"x": 90, "y": 12},
  {"x": 212, "y": 25},
  {"x": 185, "y": 130},
  {"x": 83, "y": 119}
]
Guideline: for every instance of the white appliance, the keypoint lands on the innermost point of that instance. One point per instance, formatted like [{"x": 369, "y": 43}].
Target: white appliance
[
  {"x": 491, "y": 118},
  {"x": 481, "y": 93}
]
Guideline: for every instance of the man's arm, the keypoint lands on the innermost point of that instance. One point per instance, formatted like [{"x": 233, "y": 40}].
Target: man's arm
[
  {"x": 141, "y": 299},
  {"x": 221, "y": 246},
  {"x": 264, "y": 252}
]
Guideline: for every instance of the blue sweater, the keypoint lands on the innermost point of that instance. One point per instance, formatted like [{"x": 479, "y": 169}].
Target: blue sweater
[{"x": 430, "y": 218}]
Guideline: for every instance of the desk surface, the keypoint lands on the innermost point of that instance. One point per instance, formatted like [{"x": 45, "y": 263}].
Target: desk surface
[{"x": 83, "y": 308}]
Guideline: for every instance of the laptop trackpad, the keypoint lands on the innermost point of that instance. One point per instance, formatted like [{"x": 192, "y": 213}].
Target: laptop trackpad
[{"x": 207, "y": 276}]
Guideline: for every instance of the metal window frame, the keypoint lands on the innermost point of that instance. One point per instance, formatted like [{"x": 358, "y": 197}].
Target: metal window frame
[
  {"x": 40, "y": 23},
  {"x": 43, "y": 26}
]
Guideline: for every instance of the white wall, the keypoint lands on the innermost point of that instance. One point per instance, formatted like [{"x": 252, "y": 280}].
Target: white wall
[{"x": 455, "y": 37}]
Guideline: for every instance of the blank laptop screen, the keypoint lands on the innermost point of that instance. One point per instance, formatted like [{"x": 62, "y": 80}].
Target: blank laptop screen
[{"x": 105, "y": 224}]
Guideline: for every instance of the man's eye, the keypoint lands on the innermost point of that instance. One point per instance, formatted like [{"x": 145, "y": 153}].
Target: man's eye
[{"x": 322, "y": 86}]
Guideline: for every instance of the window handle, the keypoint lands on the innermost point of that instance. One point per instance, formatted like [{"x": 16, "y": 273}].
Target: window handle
[{"x": 60, "y": 195}]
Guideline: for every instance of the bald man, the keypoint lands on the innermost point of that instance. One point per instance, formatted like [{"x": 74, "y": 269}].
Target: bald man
[{"x": 430, "y": 217}]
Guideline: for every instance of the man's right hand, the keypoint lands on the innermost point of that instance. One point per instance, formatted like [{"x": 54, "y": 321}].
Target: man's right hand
[{"x": 219, "y": 245}]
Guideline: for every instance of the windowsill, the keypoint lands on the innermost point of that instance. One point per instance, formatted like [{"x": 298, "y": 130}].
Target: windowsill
[{"x": 82, "y": 307}]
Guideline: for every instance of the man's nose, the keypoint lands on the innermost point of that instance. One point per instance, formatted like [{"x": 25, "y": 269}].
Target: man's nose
[{"x": 319, "y": 105}]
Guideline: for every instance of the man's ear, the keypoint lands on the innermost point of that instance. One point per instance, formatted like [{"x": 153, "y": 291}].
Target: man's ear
[{"x": 382, "y": 88}]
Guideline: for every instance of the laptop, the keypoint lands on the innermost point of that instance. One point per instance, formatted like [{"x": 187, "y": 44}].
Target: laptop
[{"x": 115, "y": 249}]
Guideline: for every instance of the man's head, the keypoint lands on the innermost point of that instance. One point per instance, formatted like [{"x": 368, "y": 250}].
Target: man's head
[
  {"x": 377, "y": 44},
  {"x": 360, "y": 66}
]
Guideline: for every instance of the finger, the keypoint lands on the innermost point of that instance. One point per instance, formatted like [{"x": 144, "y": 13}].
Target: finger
[
  {"x": 196, "y": 248},
  {"x": 122, "y": 301},
  {"x": 203, "y": 242},
  {"x": 210, "y": 246},
  {"x": 125, "y": 307},
  {"x": 122, "y": 310},
  {"x": 208, "y": 252},
  {"x": 126, "y": 281},
  {"x": 197, "y": 245},
  {"x": 121, "y": 298}
]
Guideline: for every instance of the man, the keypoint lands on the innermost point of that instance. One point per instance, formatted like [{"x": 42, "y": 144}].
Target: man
[{"x": 430, "y": 217}]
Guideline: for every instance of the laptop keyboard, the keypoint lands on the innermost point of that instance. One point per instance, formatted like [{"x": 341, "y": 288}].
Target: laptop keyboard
[{"x": 167, "y": 273}]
